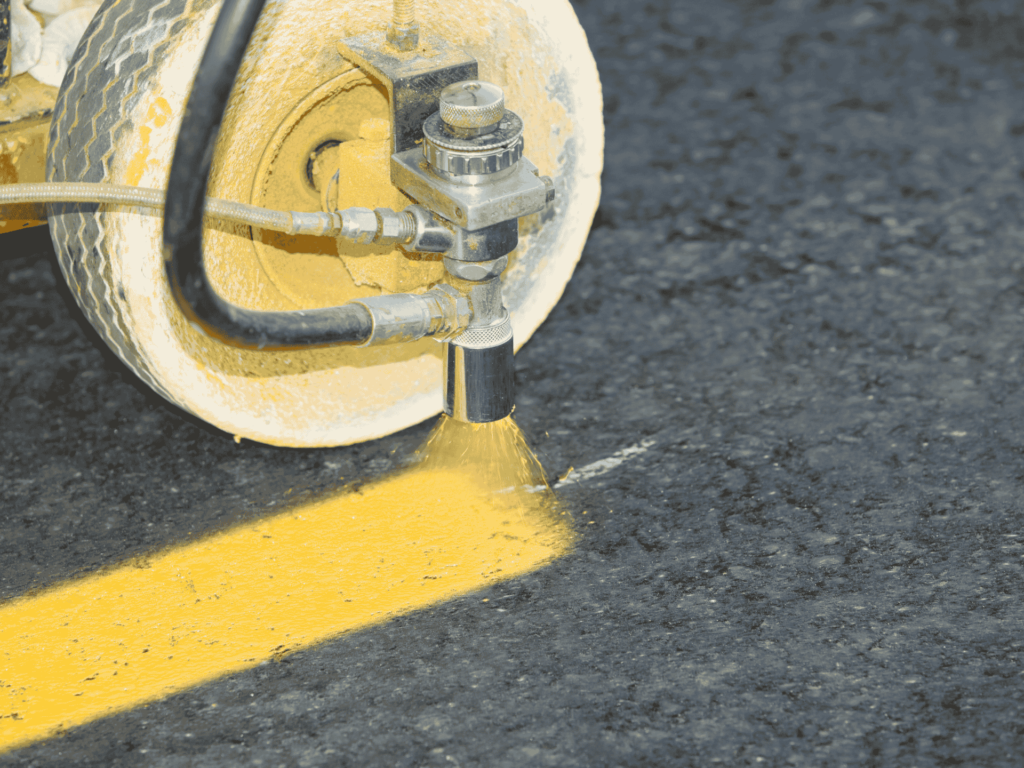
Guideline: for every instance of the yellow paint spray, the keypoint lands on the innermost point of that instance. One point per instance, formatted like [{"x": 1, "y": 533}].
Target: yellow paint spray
[
  {"x": 496, "y": 455},
  {"x": 458, "y": 520}
]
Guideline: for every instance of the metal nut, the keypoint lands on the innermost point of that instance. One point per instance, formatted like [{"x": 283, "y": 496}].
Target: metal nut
[
  {"x": 359, "y": 224},
  {"x": 394, "y": 227},
  {"x": 404, "y": 38},
  {"x": 549, "y": 186}
]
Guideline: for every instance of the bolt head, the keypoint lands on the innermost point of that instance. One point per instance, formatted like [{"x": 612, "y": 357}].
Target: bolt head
[{"x": 472, "y": 104}]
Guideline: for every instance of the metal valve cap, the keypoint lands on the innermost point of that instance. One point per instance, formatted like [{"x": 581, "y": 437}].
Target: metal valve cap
[{"x": 472, "y": 104}]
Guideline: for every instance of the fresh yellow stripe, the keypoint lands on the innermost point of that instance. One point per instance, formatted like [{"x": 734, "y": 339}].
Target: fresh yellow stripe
[{"x": 151, "y": 627}]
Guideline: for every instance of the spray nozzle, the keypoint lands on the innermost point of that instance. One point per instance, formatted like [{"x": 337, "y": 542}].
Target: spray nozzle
[{"x": 479, "y": 372}]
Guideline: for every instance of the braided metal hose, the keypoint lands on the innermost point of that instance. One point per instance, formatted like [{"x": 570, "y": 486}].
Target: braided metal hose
[{"x": 290, "y": 222}]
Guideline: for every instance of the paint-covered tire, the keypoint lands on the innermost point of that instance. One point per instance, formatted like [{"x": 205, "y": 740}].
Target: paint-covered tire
[
  {"x": 116, "y": 120},
  {"x": 91, "y": 117}
]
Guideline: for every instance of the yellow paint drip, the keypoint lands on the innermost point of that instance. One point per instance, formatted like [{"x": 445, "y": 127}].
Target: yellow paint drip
[
  {"x": 158, "y": 625},
  {"x": 156, "y": 117}
]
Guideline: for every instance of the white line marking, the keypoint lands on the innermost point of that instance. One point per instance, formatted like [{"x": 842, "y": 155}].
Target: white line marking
[
  {"x": 603, "y": 466},
  {"x": 598, "y": 468}
]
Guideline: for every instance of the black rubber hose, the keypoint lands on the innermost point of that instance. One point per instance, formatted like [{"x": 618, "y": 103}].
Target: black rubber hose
[
  {"x": 6, "y": 44},
  {"x": 183, "y": 213}
]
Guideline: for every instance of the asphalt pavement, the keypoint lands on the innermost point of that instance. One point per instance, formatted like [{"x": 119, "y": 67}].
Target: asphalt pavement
[{"x": 797, "y": 321}]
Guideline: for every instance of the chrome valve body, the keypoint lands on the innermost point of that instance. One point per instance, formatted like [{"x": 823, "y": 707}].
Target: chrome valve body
[{"x": 471, "y": 183}]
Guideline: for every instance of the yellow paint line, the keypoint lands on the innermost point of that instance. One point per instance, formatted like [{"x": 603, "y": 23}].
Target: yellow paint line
[{"x": 151, "y": 627}]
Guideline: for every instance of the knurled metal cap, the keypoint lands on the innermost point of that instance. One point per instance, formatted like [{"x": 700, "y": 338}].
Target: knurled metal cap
[{"x": 472, "y": 104}]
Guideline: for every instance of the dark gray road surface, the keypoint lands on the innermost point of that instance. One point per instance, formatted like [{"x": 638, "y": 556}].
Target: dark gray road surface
[{"x": 805, "y": 286}]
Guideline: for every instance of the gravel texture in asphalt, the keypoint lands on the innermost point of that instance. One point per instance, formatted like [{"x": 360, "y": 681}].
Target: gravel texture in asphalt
[{"x": 803, "y": 293}]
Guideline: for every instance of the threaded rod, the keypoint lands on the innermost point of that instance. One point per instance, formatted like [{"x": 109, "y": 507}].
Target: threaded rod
[
  {"x": 407, "y": 227},
  {"x": 405, "y": 13},
  {"x": 404, "y": 31}
]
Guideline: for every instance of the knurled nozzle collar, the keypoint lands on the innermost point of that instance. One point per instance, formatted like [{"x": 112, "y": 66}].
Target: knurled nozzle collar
[{"x": 478, "y": 155}]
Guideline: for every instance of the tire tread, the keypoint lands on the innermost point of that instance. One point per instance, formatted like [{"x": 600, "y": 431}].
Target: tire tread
[{"x": 122, "y": 49}]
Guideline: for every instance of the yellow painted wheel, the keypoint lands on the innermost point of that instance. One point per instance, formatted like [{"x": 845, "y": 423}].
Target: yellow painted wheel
[{"x": 299, "y": 110}]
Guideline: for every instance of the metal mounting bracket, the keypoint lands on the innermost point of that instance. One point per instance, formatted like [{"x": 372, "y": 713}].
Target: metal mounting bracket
[{"x": 414, "y": 80}]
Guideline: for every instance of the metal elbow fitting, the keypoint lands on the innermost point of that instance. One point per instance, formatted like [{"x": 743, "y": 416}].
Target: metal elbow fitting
[{"x": 468, "y": 316}]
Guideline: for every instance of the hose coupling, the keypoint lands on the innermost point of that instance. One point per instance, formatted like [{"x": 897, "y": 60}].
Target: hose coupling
[
  {"x": 455, "y": 311},
  {"x": 319, "y": 224},
  {"x": 381, "y": 226},
  {"x": 400, "y": 317},
  {"x": 441, "y": 312},
  {"x": 416, "y": 228}
]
